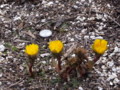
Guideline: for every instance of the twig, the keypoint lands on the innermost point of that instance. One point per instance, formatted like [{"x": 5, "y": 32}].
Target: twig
[
  {"x": 114, "y": 20},
  {"x": 15, "y": 83},
  {"x": 69, "y": 51}
]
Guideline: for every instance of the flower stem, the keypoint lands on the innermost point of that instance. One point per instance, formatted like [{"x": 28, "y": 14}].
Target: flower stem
[
  {"x": 97, "y": 57},
  {"x": 59, "y": 63},
  {"x": 30, "y": 70}
]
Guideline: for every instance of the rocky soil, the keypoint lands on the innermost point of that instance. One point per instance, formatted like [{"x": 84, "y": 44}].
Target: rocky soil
[{"x": 71, "y": 21}]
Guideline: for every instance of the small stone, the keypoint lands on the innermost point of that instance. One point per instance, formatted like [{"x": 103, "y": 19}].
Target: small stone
[
  {"x": 98, "y": 16},
  {"x": 86, "y": 37},
  {"x": 99, "y": 88},
  {"x": 108, "y": 5},
  {"x": 3, "y": 5},
  {"x": 111, "y": 83},
  {"x": 103, "y": 67},
  {"x": 99, "y": 37},
  {"x": 81, "y": 18},
  {"x": 1, "y": 74},
  {"x": 44, "y": 62},
  {"x": 73, "y": 55},
  {"x": 92, "y": 37},
  {"x": 72, "y": 39},
  {"x": 116, "y": 80},
  {"x": 17, "y": 18},
  {"x": 118, "y": 69},
  {"x": 116, "y": 49},
  {"x": 114, "y": 69},
  {"x": 100, "y": 27},
  {"x": 83, "y": 31},
  {"x": 112, "y": 76},
  {"x": 80, "y": 88},
  {"x": 1, "y": 59},
  {"x": 2, "y": 48},
  {"x": 50, "y": 3},
  {"x": 45, "y": 54},
  {"x": 91, "y": 18},
  {"x": 22, "y": 68},
  {"x": 110, "y": 64},
  {"x": 49, "y": 67},
  {"x": 43, "y": 20},
  {"x": 104, "y": 60},
  {"x": 45, "y": 33},
  {"x": 37, "y": 27},
  {"x": 75, "y": 6}
]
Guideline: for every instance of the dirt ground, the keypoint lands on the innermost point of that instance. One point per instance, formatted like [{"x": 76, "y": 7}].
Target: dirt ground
[{"x": 71, "y": 21}]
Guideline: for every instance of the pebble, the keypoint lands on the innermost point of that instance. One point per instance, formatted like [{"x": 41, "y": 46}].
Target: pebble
[
  {"x": 112, "y": 76},
  {"x": 43, "y": 20},
  {"x": 45, "y": 54},
  {"x": 110, "y": 64},
  {"x": 100, "y": 27},
  {"x": 92, "y": 37},
  {"x": 116, "y": 49},
  {"x": 80, "y": 88},
  {"x": 103, "y": 67},
  {"x": 111, "y": 83},
  {"x": 86, "y": 37},
  {"x": 99, "y": 37},
  {"x": 98, "y": 16},
  {"x": 1, "y": 74},
  {"x": 45, "y": 33},
  {"x": 100, "y": 88},
  {"x": 72, "y": 39},
  {"x": 91, "y": 18},
  {"x": 73, "y": 55},
  {"x": 22, "y": 68},
  {"x": 75, "y": 6},
  {"x": 116, "y": 80},
  {"x": 44, "y": 62},
  {"x": 114, "y": 69},
  {"x": 17, "y": 18},
  {"x": 104, "y": 60},
  {"x": 50, "y": 3},
  {"x": 2, "y": 48},
  {"x": 118, "y": 69},
  {"x": 1, "y": 59},
  {"x": 3, "y": 5},
  {"x": 81, "y": 18}
]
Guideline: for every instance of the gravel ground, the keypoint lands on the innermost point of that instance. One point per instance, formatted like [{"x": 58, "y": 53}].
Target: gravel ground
[{"x": 71, "y": 21}]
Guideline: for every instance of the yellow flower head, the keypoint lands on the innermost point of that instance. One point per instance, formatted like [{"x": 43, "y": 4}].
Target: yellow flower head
[
  {"x": 56, "y": 46},
  {"x": 32, "y": 49},
  {"x": 100, "y": 46}
]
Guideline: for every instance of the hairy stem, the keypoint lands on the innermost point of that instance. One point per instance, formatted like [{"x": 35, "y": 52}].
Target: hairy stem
[
  {"x": 59, "y": 63},
  {"x": 97, "y": 57},
  {"x": 30, "y": 70}
]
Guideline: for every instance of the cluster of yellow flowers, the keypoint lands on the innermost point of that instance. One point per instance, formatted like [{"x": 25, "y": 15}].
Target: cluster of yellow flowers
[
  {"x": 99, "y": 46},
  {"x": 54, "y": 46}
]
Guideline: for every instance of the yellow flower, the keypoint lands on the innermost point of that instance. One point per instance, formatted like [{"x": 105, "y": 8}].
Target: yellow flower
[
  {"x": 32, "y": 49},
  {"x": 56, "y": 46},
  {"x": 100, "y": 46}
]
